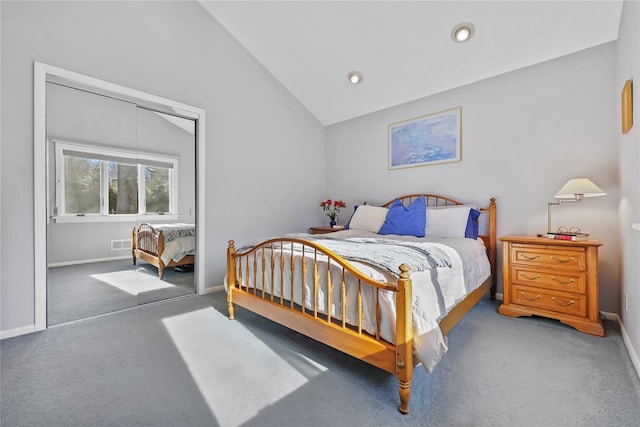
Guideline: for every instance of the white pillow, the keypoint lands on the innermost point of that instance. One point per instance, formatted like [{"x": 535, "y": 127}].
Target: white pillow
[
  {"x": 446, "y": 221},
  {"x": 368, "y": 218}
]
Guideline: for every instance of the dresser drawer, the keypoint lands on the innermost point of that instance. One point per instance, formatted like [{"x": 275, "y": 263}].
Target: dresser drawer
[
  {"x": 561, "y": 302},
  {"x": 563, "y": 280},
  {"x": 549, "y": 256}
]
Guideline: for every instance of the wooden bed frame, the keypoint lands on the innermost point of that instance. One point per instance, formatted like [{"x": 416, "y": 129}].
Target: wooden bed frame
[
  {"x": 397, "y": 359},
  {"x": 148, "y": 244}
]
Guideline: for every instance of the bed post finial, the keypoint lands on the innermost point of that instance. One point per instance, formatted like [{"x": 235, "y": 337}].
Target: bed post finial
[
  {"x": 493, "y": 242},
  {"x": 133, "y": 244},
  {"x": 404, "y": 338},
  {"x": 231, "y": 277}
]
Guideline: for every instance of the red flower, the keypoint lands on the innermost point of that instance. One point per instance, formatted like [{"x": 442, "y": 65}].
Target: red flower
[{"x": 332, "y": 208}]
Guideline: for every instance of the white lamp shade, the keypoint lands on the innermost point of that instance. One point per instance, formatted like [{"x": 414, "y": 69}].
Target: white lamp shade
[{"x": 578, "y": 188}]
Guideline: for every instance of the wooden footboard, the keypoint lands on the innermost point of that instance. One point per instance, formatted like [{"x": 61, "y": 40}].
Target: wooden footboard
[
  {"x": 147, "y": 243},
  {"x": 251, "y": 277}
]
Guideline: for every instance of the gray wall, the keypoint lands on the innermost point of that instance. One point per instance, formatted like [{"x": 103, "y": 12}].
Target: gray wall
[
  {"x": 628, "y": 67},
  {"x": 524, "y": 134},
  {"x": 264, "y": 151}
]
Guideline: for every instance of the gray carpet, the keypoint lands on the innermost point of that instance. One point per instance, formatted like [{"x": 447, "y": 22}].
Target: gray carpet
[
  {"x": 183, "y": 363},
  {"x": 79, "y": 291}
]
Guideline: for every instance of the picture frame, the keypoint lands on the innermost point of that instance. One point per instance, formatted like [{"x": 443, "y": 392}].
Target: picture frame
[
  {"x": 626, "y": 100},
  {"x": 426, "y": 140}
]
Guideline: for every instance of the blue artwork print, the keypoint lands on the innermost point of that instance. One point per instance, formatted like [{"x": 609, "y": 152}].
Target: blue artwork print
[{"x": 426, "y": 140}]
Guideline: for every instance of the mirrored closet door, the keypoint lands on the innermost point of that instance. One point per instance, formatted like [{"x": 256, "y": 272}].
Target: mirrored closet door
[{"x": 121, "y": 203}]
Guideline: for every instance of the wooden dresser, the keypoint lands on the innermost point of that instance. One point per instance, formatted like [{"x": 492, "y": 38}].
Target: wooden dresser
[{"x": 552, "y": 278}]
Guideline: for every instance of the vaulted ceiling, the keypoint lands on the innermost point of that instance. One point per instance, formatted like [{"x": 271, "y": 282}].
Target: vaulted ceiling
[{"x": 404, "y": 49}]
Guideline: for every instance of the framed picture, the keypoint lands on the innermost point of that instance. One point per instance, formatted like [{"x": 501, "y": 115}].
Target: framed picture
[
  {"x": 627, "y": 106},
  {"x": 426, "y": 140}
]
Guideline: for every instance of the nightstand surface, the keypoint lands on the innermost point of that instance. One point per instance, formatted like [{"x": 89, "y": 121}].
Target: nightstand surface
[
  {"x": 325, "y": 229},
  {"x": 552, "y": 278},
  {"x": 544, "y": 241}
]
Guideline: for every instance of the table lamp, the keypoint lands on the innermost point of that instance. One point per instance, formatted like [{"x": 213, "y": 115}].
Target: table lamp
[{"x": 574, "y": 191}]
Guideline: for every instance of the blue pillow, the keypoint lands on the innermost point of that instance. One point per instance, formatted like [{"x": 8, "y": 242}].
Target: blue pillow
[
  {"x": 472, "y": 224},
  {"x": 406, "y": 221}
]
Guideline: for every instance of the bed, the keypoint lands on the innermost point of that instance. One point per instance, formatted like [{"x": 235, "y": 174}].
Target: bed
[
  {"x": 164, "y": 245},
  {"x": 376, "y": 308}
]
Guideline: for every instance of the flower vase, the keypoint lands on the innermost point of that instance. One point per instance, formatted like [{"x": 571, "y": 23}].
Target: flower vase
[{"x": 332, "y": 223}]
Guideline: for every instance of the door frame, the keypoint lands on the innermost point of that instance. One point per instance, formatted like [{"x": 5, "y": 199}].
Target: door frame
[{"x": 43, "y": 73}]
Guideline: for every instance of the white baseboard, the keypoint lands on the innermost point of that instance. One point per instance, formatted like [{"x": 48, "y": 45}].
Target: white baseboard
[
  {"x": 213, "y": 289},
  {"x": 89, "y": 261},
  {"x": 635, "y": 360},
  {"x": 17, "y": 331}
]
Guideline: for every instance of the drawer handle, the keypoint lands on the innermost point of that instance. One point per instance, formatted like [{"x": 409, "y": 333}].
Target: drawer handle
[
  {"x": 525, "y": 256},
  {"x": 529, "y": 298},
  {"x": 530, "y": 277},
  {"x": 562, "y": 304},
  {"x": 562, "y": 260},
  {"x": 561, "y": 282}
]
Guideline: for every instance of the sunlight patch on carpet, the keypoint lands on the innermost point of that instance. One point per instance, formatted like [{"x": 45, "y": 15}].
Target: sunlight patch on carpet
[
  {"x": 132, "y": 281},
  {"x": 214, "y": 365}
]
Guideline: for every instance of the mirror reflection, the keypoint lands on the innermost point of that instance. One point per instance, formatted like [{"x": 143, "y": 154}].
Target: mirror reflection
[{"x": 121, "y": 200}]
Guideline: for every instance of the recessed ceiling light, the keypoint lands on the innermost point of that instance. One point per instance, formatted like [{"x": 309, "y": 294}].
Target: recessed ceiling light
[
  {"x": 462, "y": 32},
  {"x": 355, "y": 77}
]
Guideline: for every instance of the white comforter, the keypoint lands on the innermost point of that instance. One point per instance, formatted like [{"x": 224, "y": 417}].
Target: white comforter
[{"x": 435, "y": 291}]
